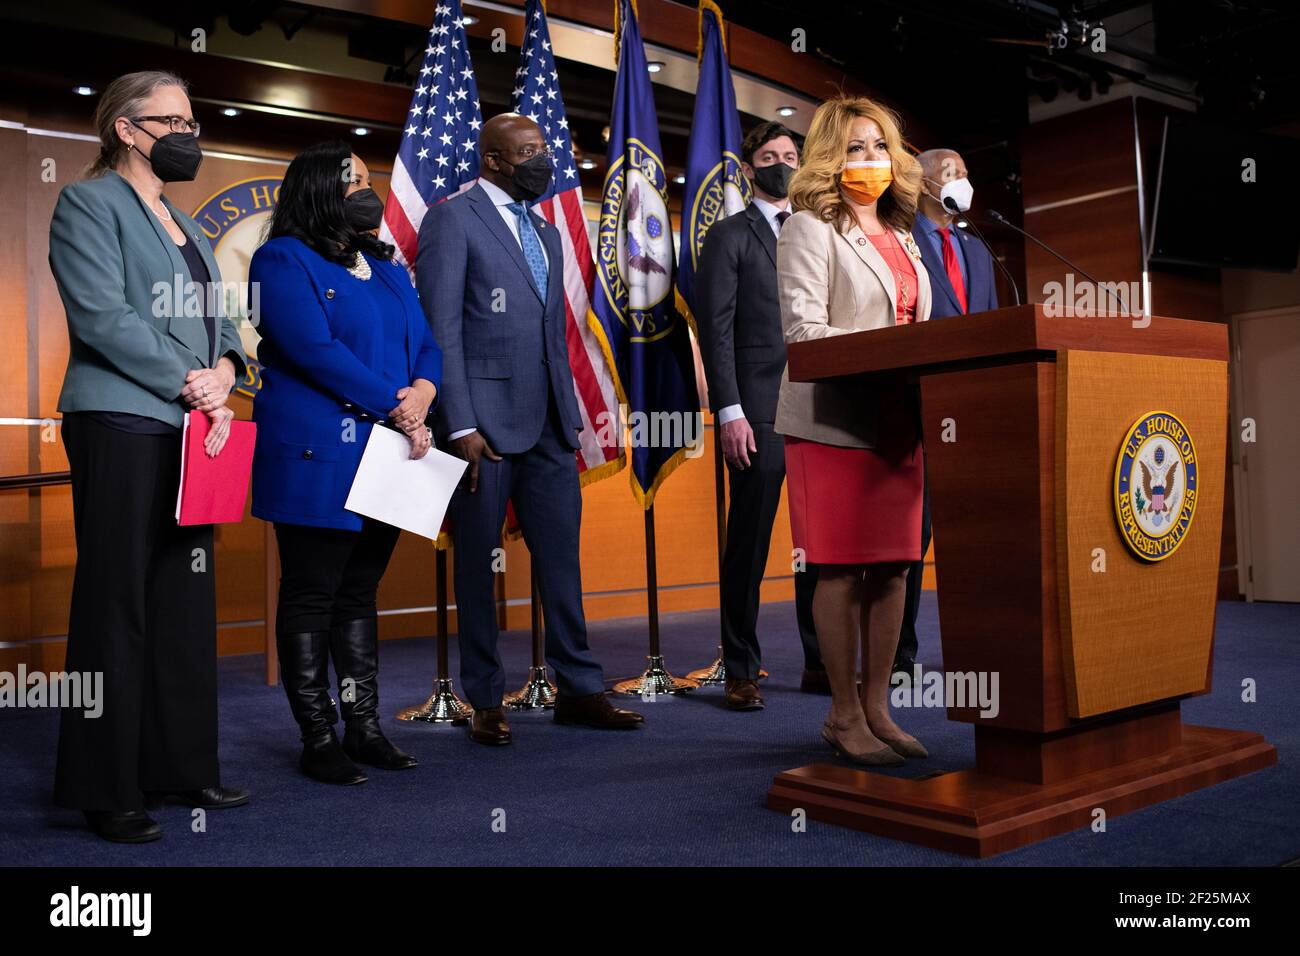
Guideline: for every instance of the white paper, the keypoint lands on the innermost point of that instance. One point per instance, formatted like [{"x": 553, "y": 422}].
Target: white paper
[
  {"x": 180, "y": 487},
  {"x": 411, "y": 495}
]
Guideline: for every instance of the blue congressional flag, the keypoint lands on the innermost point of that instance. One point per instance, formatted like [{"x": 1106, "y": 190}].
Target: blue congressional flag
[
  {"x": 439, "y": 153},
  {"x": 715, "y": 185},
  {"x": 633, "y": 309}
]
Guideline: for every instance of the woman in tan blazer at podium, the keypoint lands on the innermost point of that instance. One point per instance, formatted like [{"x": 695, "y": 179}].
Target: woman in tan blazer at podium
[{"x": 846, "y": 262}]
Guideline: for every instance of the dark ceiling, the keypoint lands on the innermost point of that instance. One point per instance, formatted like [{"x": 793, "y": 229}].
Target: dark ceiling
[
  {"x": 965, "y": 70},
  {"x": 969, "y": 66}
]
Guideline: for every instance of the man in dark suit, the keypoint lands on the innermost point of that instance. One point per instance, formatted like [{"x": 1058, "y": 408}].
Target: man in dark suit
[
  {"x": 743, "y": 347},
  {"x": 961, "y": 283},
  {"x": 490, "y": 275}
]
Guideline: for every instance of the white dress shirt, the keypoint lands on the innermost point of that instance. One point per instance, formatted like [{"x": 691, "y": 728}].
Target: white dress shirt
[
  {"x": 730, "y": 413},
  {"x": 502, "y": 200}
]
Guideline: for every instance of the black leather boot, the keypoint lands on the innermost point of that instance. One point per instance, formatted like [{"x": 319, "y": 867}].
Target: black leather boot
[
  {"x": 304, "y": 671},
  {"x": 354, "y": 645}
]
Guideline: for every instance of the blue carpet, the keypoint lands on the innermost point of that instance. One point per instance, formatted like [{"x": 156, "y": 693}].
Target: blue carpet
[{"x": 687, "y": 789}]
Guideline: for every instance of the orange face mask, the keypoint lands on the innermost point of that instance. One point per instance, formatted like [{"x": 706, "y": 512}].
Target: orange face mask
[{"x": 865, "y": 181}]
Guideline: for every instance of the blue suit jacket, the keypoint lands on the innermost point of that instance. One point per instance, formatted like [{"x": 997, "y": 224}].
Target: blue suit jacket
[
  {"x": 503, "y": 339},
  {"x": 981, "y": 291},
  {"x": 322, "y": 343}
]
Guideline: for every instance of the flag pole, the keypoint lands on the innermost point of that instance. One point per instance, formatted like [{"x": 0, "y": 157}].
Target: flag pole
[
  {"x": 443, "y": 706},
  {"x": 716, "y": 673},
  {"x": 655, "y": 679},
  {"x": 538, "y": 691}
]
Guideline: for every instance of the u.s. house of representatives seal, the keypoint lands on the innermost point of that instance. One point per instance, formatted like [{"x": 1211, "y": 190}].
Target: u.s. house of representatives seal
[
  {"x": 234, "y": 219},
  {"x": 1155, "y": 485}
]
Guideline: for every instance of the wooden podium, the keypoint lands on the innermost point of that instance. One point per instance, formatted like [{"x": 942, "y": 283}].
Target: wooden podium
[{"x": 1094, "y": 642}]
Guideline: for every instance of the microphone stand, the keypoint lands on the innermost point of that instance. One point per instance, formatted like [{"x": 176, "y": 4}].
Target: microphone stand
[
  {"x": 1015, "y": 290},
  {"x": 998, "y": 217}
]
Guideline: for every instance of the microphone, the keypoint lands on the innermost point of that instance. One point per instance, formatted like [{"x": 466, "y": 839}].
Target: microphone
[
  {"x": 998, "y": 217},
  {"x": 951, "y": 205}
]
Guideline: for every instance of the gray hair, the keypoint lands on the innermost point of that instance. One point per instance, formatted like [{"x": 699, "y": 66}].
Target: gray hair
[{"x": 125, "y": 96}]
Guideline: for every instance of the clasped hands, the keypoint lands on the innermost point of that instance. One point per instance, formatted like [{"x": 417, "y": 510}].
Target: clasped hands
[
  {"x": 207, "y": 389},
  {"x": 409, "y": 415}
]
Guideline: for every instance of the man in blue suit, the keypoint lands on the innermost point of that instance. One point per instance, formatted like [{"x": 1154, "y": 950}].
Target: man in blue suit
[
  {"x": 490, "y": 275},
  {"x": 961, "y": 283}
]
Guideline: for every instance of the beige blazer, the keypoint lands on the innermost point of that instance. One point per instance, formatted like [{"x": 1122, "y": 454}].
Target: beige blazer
[{"x": 832, "y": 283}]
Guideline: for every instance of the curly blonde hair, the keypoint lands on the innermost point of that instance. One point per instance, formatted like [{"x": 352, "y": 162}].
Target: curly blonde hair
[{"x": 816, "y": 185}]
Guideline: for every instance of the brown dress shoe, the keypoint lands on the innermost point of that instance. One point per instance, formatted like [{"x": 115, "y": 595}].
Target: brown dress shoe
[
  {"x": 489, "y": 727},
  {"x": 814, "y": 682},
  {"x": 595, "y": 710},
  {"x": 742, "y": 694}
]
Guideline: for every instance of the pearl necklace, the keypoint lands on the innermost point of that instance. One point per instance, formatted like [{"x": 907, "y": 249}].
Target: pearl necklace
[{"x": 361, "y": 268}]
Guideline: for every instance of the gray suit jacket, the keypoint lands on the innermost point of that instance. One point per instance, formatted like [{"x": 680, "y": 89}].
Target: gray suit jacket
[{"x": 120, "y": 277}]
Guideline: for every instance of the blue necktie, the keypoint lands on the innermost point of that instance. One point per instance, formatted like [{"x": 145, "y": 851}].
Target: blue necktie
[{"x": 532, "y": 246}]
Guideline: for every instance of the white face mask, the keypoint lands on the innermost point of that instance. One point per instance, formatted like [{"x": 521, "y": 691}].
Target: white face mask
[{"x": 959, "y": 190}]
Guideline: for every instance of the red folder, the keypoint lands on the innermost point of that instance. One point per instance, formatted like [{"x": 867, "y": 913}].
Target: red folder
[{"x": 214, "y": 490}]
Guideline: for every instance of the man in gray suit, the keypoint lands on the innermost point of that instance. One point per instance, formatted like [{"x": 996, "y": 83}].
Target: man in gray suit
[
  {"x": 490, "y": 276},
  {"x": 743, "y": 348}
]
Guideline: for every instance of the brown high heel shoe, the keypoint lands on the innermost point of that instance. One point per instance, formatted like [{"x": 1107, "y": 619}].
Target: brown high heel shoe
[
  {"x": 906, "y": 748},
  {"x": 884, "y": 757}
]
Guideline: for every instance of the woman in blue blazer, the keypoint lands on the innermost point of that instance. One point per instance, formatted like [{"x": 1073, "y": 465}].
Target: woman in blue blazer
[{"x": 344, "y": 345}]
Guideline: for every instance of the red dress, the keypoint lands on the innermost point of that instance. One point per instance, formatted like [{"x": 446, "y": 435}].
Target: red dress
[{"x": 863, "y": 505}]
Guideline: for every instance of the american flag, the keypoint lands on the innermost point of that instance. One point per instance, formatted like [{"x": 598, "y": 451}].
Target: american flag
[
  {"x": 537, "y": 96},
  {"x": 439, "y": 153}
]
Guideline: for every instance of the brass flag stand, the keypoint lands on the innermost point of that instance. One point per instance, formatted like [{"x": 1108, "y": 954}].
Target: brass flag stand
[
  {"x": 443, "y": 706},
  {"x": 655, "y": 679},
  {"x": 716, "y": 673},
  {"x": 538, "y": 691}
]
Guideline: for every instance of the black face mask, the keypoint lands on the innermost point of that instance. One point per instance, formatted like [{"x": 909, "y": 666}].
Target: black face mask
[
  {"x": 364, "y": 211},
  {"x": 175, "y": 157},
  {"x": 774, "y": 180},
  {"x": 532, "y": 178}
]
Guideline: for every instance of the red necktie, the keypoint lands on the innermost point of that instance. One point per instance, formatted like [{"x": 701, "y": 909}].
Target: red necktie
[{"x": 953, "y": 268}]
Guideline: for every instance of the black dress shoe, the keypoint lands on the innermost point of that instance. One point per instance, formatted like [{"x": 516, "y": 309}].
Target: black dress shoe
[
  {"x": 595, "y": 710},
  {"x": 209, "y": 798},
  {"x": 814, "y": 682},
  {"x": 488, "y": 726},
  {"x": 129, "y": 826},
  {"x": 904, "y": 667}
]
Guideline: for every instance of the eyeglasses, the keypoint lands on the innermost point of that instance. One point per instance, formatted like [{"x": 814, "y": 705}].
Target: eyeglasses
[
  {"x": 178, "y": 124},
  {"x": 525, "y": 152}
]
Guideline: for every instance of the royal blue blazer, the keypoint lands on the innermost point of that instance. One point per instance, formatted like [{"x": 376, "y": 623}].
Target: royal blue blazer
[{"x": 322, "y": 354}]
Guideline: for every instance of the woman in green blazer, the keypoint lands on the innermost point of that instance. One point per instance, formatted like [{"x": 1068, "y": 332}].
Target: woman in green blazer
[{"x": 149, "y": 341}]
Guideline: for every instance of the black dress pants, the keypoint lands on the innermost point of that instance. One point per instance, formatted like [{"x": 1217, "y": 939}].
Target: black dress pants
[
  {"x": 329, "y": 576},
  {"x": 755, "y": 500},
  {"x": 144, "y": 616},
  {"x": 905, "y": 656}
]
